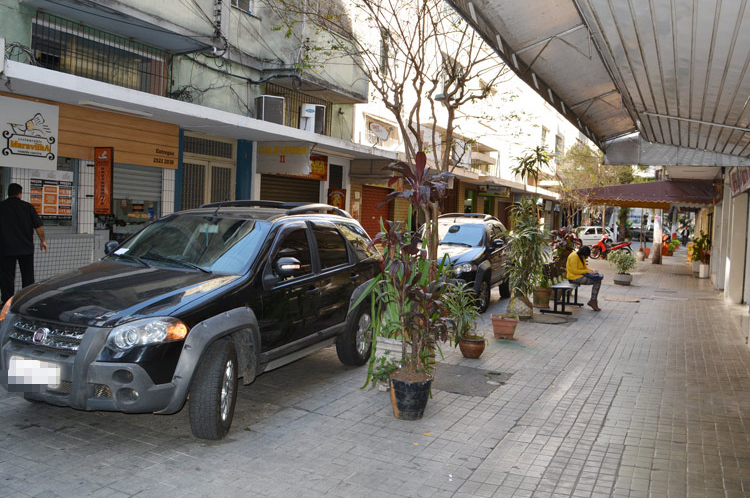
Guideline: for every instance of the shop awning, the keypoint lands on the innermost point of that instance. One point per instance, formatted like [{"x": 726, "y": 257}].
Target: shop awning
[
  {"x": 656, "y": 195},
  {"x": 657, "y": 82}
]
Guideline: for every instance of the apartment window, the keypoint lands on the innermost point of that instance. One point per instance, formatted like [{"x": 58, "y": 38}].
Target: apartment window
[
  {"x": 545, "y": 131},
  {"x": 293, "y": 104},
  {"x": 245, "y": 5},
  {"x": 385, "y": 44},
  {"x": 559, "y": 147},
  {"x": 70, "y": 47}
]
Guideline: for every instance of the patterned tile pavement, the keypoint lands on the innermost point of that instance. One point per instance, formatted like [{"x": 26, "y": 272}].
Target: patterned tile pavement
[{"x": 646, "y": 398}]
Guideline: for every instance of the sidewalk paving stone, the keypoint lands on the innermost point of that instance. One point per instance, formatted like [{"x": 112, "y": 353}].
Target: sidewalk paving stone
[{"x": 649, "y": 397}]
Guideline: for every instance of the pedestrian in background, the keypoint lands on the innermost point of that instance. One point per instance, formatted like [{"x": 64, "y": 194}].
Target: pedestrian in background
[
  {"x": 18, "y": 221},
  {"x": 579, "y": 273}
]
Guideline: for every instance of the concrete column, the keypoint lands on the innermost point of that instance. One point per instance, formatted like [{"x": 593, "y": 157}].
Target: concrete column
[
  {"x": 737, "y": 250},
  {"x": 747, "y": 251},
  {"x": 720, "y": 252}
]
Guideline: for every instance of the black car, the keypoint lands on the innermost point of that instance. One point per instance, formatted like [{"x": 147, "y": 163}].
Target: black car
[
  {"x": 190, "y": 304},
  {"x": 474, "y": 245}
]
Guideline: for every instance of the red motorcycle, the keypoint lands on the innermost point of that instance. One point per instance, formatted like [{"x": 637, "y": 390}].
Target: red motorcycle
[{"x": 605, "y": 246}]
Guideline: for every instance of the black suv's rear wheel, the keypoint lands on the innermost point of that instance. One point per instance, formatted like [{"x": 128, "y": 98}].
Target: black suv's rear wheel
[
  {"x": 213, "y": 392},
  {"x": 354, "y": 346},
  {"x": 483, "y": 296}
]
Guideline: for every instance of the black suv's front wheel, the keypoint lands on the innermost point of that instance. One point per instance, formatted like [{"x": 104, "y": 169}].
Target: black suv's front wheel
[
  {"x": 483, "y": 296},
  {"x": 353, "y": 347},
  {"x": 213, "y": 392}
]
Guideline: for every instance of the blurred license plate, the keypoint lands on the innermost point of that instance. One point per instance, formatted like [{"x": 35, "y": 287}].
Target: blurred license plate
[{"x": 28, "y": 372}]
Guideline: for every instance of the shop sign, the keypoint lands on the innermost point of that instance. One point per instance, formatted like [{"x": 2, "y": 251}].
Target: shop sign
[
  {"x": 51, "y": 194},
  {"x": 103, "y": 161},
  {"x": 29, "y": 134},
  {"x": 739, "y": 180},
  {"x": 283, "y": 158},
  {"x": 494, "y": 190},
  {"x": 337, "y": 198}
]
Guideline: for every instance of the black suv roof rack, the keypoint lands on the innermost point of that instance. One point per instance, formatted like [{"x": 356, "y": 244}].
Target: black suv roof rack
[
  {"x": 479, "y": 216},
  {"x": 291, "y": 207}
]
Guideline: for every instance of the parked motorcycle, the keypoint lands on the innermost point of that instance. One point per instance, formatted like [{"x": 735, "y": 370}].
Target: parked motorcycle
[{"x": 605, "y": 246}]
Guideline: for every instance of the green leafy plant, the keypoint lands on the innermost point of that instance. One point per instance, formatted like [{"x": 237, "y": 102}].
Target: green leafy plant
[
  {"x": 463, "y": 311},
  {"x": 564, "y": 242},
  {"x": 407, "y": 297},
  {"x": 702, "y": 249},
  {"x": 525, "y": 251},
  {"x": 673, "y": 244},
  {"x": 622, "y": 261}
]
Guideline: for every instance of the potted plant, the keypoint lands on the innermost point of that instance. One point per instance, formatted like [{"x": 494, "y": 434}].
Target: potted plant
[
  {"x": 525, "y": 254},
  {"x": 564, "y": 242},
  {"x": 407, "y": 296},
  {"x": 542, "y": 292},
  {"x": 623, "y": 262},
  {"x": 702, "y": 254},
  {"x": 463, "y": 312}
]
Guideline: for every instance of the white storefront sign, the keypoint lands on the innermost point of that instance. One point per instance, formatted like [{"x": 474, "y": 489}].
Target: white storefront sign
[
  {"x": 29, "y": 134},
  {"x": 283, "y": 158}
]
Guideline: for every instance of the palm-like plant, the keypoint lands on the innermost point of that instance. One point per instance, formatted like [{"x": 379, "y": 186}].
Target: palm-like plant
[
  {"x": 525, "y": 254},
  {"x": 530, "y": 164}
]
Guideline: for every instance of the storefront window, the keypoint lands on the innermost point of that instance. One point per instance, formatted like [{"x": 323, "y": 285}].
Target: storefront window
[{"x": 137, "y": 198}]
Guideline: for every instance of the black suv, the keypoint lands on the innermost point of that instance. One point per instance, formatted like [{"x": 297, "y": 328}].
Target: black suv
[
  {"x": 190, "y": 304},
  {"x": 475, "y": 247}
]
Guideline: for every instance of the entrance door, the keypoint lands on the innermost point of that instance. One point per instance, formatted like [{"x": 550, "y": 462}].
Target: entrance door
[
  {"x": 371, "y": 213},
  {"x": 205, "y": 182}
]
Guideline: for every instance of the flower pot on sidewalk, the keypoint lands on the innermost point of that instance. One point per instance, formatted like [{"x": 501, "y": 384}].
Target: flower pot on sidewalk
[
  {"x": 503, "y": 327},
  {"x": 703, "y": 271}
]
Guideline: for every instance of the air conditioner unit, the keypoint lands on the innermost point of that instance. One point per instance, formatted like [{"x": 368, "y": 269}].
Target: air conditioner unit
[
  {"x": 270, "y": 108},
  {"x": 312, "y": 117}
]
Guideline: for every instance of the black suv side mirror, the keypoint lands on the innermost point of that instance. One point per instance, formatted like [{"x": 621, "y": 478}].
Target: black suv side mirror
[
  {"x": 287, "y": 266},
  {"x": 110, "y": 246}
]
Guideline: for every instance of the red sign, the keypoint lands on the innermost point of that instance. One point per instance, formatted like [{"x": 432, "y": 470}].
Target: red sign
[
  {"x": 103, "y": 161},
  {"x": 337, "y": 198}
]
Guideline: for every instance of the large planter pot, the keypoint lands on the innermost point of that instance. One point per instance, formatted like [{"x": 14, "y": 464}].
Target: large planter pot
[
  {"x": 665, "y": 251},
  {"x": 522, "y": 307},
  {"x": 703, "y": 271},
  {"x": 542, "y": 296},
  {"x": 623, "y": 278},
  {"x": 696, "y": 266},
  {"x": 503, "y": 327},
  {"x": 471, "y": 348},
  {"x": 409, "y": 399}
]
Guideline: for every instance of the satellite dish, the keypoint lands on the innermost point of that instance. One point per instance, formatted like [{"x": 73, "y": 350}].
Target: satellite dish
[{"x": 380, "y": 131}]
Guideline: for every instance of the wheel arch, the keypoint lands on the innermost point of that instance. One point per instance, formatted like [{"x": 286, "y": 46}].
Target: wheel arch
[{"x": 241, "y": 326}]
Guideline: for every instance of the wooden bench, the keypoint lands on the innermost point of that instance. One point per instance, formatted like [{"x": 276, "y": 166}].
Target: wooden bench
[{"x": 562, "y": 290}]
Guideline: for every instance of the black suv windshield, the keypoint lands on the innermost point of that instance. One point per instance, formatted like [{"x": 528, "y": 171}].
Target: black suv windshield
[
  {"x": 223, "y": 245},
  {"x": 465, "y": 234}
]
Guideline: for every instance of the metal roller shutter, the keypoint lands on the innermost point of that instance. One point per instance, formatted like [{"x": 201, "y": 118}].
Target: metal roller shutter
[
  {"x": 287, "y": 189},
  {"x": 136, "y": 182},
  {"x": 371, "y": 213}
]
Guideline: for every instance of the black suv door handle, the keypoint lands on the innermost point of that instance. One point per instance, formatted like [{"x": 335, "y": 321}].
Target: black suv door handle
[
  {"x": 354, "y": 276},
  {"x": 313, "y": 290}
]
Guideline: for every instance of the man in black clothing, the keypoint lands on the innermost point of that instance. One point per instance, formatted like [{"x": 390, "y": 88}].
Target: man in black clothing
[{"x": 18, "y": 220}]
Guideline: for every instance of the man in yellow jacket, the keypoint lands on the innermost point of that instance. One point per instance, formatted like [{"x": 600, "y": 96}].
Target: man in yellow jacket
[{"x": 579, "y": 273}]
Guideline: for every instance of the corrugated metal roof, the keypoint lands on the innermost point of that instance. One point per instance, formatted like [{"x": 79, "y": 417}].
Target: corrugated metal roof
[{"x": 676, "y": 71}]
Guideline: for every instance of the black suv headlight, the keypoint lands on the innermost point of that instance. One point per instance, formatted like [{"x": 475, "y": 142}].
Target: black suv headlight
[
  {"x": 465, "y": 268},
  {"x": 147, "y": 331}
]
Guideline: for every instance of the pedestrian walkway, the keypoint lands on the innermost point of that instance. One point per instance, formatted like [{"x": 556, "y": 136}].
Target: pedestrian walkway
[{"x": 649, "y": 397}]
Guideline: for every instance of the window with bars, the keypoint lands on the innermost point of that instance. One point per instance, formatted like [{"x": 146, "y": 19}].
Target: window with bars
[{"x": 69, "y": 47}]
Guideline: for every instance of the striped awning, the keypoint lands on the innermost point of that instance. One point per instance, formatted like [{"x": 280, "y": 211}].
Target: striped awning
[{"x": 656, "y": 195}]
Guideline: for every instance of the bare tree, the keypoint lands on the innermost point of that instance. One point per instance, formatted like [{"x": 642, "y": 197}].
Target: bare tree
[
  {"x": 581, "y": 167},
  {"x": 423, "y": 62}
]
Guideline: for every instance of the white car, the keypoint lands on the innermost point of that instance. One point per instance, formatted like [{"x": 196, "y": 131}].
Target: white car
[{"x": 591, "y": 235}]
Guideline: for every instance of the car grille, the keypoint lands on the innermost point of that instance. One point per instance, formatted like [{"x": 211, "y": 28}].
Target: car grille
[{"x": 48, "y": 335}]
